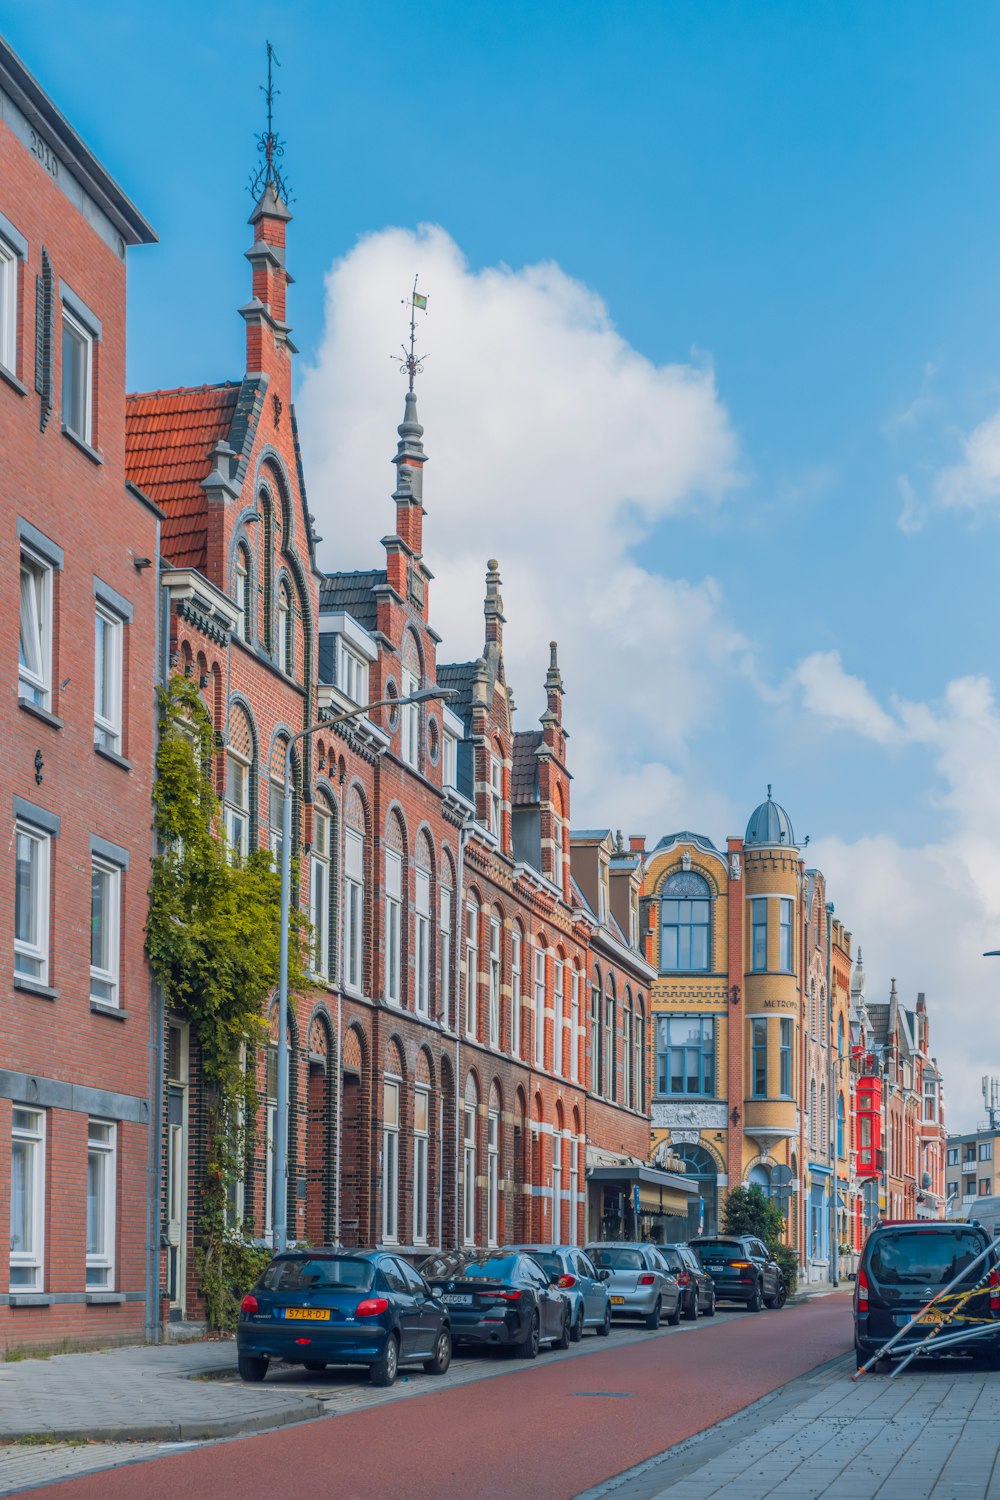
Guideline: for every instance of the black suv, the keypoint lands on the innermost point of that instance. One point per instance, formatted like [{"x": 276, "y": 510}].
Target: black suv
[
  {"x": 904, "y": 1266},
  {"x": 743, "y": 1269}
]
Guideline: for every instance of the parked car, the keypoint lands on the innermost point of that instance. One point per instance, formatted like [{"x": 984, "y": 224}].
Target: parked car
[
  {"x": 499, "y": 1297},
  {"x": 903, "y": 1266},
  {"x": 743, "y": 1269},
  {"x": 573, "y": 1271},
  {"x": 360, "y": 1307},
  {"x": 697, "y": 1287},
  {"x": 639, "y": 1284}
]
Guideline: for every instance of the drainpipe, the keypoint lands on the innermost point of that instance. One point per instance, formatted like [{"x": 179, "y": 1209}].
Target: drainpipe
[
  {"x": 463, "y": 839},
  {"x": 154, "y": 1161}
]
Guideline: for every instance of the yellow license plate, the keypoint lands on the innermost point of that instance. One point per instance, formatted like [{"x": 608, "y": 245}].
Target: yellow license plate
[
  {"x": 617, "y": 1301},
  {"x": 308, "y": 1314}
]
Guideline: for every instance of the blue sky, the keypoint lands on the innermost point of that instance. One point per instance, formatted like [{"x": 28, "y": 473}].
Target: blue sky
[{"x": 799, "y": 201}]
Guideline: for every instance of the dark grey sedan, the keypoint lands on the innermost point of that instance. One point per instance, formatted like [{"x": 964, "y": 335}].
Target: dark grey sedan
[{"x": 572, "y": 1270}]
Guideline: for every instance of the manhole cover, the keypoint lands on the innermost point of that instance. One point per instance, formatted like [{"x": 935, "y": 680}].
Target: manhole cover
[{"x": 615, "y": 1394}]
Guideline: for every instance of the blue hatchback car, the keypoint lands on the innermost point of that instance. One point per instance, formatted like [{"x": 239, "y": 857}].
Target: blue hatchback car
[{"x": 356, "y": 1307}]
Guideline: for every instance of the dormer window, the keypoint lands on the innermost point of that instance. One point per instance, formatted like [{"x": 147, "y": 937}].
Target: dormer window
[
  {"x": 352, "y": 673},
  {"x": 449, "y": 761},
  {"x": 602, "y": 892}
]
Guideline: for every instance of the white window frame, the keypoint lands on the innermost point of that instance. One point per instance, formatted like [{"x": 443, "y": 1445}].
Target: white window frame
[
  {"x": 409, "y": 735},
  {"x": 557, "y": 1021},
  {"x": 320, "y": 862},
  {"x": 574, "y": 1185},
  {"x": 602, "y": 892},
  {"x": 471, "y": 969},
  {"x": 236, "y": 814},
  {"x": 390, "y": 1161},
  {"x": 515, "y": 993},
  {"x": 496, "y": 795},
  {"x": 469, "y": 1176},
  {"x": 352, "y": 673},
  {"x": 31, "y": 954},
  {"x": 27, "y": 1262},
  {"x": 492, "y": 1177},
  {"x": 557, "y": 852},
  {"x": 284, "y": 632},
  {"x": 449, "y": 760},
  {"x": 270, "y": 1129},
  {"x": 557, "y": 1141},
  {"x": 574, "y": 1029},
  {"x": 393, "y": 927},
  {"x": 105, "y": 986},
  {"x": 422, "y": 943},
  {"x": 241, "y": 592},
  {"x": 627, "y": 1099},
  {"x": 354, "y": 910},
  {"x": 102, "y": 1146},
  {"x": 539, "y": 1007},
  {"x": 108, "y": 715},
  {"x": 80, "y": 331},
  {"x": 444, "y": 954},
  {"x": 421, "y": 1160},
  {"x": 9, "y": 270},
  {"x": 275, "y": 815},
  {"x": 35, "y": 625},
  {"x": 496, "y": 930}
]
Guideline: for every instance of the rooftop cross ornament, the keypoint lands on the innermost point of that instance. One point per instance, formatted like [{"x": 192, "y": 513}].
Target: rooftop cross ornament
[
  {"x": 268, "y": 143},
  {"x": 410, "y": 362}
]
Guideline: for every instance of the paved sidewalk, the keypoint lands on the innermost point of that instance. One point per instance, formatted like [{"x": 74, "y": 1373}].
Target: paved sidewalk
[{"x": 931, "y": 1433}]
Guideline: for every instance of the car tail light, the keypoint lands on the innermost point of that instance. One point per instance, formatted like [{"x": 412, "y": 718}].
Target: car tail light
[
  {"x": 740, "y": 1265},
  {"x": 862, "y": 1292},
  {"x": 249, "y": 1303},
  {"x": 512, "y": 1296},
  {"x": 371, "y": 1307},
  {"x": 566, "y": 1280},
  {"x": 994, "y": 1286},
  {"x": 647, "y": 1280}
]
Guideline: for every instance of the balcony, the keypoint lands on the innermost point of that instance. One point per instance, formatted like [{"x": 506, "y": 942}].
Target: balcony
[{"x": 871, "y": 1160}]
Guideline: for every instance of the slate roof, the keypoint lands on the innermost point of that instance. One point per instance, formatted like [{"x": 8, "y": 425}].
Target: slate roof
[
  {"x": 352, "y": 594},
  {"x": 878, "y": 1014},
  {"x": 169, "y": 436},
  {"x": 458, "y": 675},
  {"x": 524, "y": 776}
]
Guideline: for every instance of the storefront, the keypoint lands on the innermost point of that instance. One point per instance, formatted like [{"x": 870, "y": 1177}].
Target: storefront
[{"x": 630, "y": 1200}]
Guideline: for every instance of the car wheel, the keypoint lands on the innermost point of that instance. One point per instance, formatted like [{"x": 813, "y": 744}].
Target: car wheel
[
  {"x": 675, "y": 1317},
  {"x": 603, "y": 1329},
  {"x": 882, "y": 1366},
  {"x": 710, "y": 1309},
  {"x": 576, "y": 1332},
  {"x": 653, "y": 1318},
  {"x": 314, "y": 1364},
  {"x": 780, "y": 1297},
  {"x": 383, "y": 1371},
  {"x": 691, "y": 1311},
  {"x": 756, "y": 1302},
  {"x": 563, "y": 1341},
  {"x": 441, "y": 1358},
  {"x": 528, "y": 1347},
  {"x": 252, "y": 1367}
]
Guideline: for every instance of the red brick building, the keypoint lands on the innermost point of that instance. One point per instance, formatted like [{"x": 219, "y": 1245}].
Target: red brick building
[{"x": 76, "y": 747}]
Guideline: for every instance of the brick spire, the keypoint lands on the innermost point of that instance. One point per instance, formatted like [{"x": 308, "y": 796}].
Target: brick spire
[{"x": 268, "y": 344}]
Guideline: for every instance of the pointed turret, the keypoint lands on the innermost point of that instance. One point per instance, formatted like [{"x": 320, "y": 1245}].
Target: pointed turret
[
  {"x": 268, "y": 342},
  {"x": 493, "y": 606},
  {"x": 858, "y": 979}
]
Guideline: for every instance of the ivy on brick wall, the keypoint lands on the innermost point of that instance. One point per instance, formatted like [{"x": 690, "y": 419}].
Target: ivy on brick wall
[{"x": 213, "y": 943}]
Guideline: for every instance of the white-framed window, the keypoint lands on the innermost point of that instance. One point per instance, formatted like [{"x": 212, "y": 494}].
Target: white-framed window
[
  {"x": 34, "y": 663},
  {"x": 77, "y": 377},
  {"x": 449, "y": 760},
  {"x": 105, "y": 923},
  {"x": 235, "y": 1209},
  {"x": 284, "y": 642},
  {"x": 422, "y": 943},
  {"x": 390, "y": 1162},
  {"x": 27, "y": 1199},
  {"x": 557, "y": 1021},
  {"x": 421, "y": 1156},
  {"x": 469, "y": 1176},
  {"x": 574, "y": 1187},
  {"x": 496, "y": 795},
  {"x": 495, "y": 939},
  {"x": 8, "y": 308},
  {"x": 557, "y": 852},
  {"x": 32, "y": 852},
  {"x": 236, "y": 806},
  {"x": 393, "y": 926},
  {"x": 109, "y": 631},
  {"x": 574, "y": 1029},
  {"x": 602, "y": 892},
  {"x": 627, "y": 1055},
  {"x": 241, "y": 590},
  {"x": 270, "y": 1130},
  {"x": 492, "y": 1176},
  {"x": 319, "y": 892},
  {"x": 515, "y": 993},
  {"x": 471, "y": 969},
  {"x": 275, "y": 799},
  {"x": 409, "y": 739},
  {"x": 101, "y": 1195},
  {"x": 444, "y": 954},
  {"x": 557, "y": 1144},
  {"x": 539, "y": 1007},
  {"x": 354, "y": 909},
  {"x": 352, "y": 673}
]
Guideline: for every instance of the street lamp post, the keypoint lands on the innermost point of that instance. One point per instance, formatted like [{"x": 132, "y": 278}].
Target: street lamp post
[{"x": 280, "y": 1216}]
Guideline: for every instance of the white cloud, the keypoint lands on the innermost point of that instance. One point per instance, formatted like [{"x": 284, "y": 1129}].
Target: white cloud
[
  {"x": 555, "y": 447},
  {"x": 974, "y": 483},
  {"x": 843, "y": 700}
]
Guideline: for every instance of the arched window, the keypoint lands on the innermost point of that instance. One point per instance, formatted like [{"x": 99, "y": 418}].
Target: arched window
[
  {"x": 840, "y": 1124},
  {"x": 322, "y": 905},
  {"x": 422, "y": 928},
  {"x": 639, "y": 1053},
  {"x": 610, "y": 1040},
  {"x": 824, "y": 1121},
  {"x": 813, "y": 1123},
  {"x": 469, "y": 1161},
  {"x": 539, "y": 1009},
  {"x": 686, "y": 923},
  {"x": 267, "y": 511},
  {"x": 241, "y": 592},
  {"x": 493, "y": 1167},
  {"x": 354, "y": 892},
  {"x": 284, "y": 651},
  {"x": 241, "y": 783},
  {"x": 395, "y": 886},
  {"x": 517, "y": 952},
  {"x": 596, "y": 1061},
  {"x": 627, "y": 1098}
]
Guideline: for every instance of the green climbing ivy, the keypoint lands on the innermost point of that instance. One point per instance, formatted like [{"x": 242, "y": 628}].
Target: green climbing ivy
[{"x": 213, "y": 936}]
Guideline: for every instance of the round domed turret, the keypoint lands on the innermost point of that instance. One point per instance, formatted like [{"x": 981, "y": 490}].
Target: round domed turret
[{"x": 769, "y": 827}]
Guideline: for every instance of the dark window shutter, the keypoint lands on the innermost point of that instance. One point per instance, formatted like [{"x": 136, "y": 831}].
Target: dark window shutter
[{"x": 44, "y": 337}]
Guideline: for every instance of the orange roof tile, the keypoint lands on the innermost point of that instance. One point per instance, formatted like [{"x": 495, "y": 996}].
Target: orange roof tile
[{"x": 169, "y": 437}]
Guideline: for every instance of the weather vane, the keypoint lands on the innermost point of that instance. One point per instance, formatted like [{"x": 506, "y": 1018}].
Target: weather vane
[
  {"x": 410, "y": 363},
  {"x": 268, "y": 144}
]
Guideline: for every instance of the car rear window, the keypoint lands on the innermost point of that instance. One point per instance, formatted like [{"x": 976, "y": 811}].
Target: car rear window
[
  {"x": 489, "y": 1268},
  {"x": 719, "y": 1249},
  {"x": 550, "y": 1263},
  {"x": 618, "y": 1260},
  {"x": 300, "y": 1274},
  {"x": 918, "y": 1256}
]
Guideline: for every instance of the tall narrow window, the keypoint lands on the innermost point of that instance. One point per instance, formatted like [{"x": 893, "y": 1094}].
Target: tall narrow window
[
  {"x": 785, "y": 935},
  {"x": 610, "y": 1043},
  {"x": 445, "y": 955},
  {"x": 77, "y": 377},
  {"x": 108, "y": 633},
  {"x": 275, "y": 798},
  {"x": 627, "y": 1053},
  {"x": 449, "y": 761},
  {"x": 270, "y": 1127},
  {"x": 421, "y": 1153},
  {"x": 101, "y": 1141},
  {"x": 236, "y": 808},
  {"x": 241, "y": 590},
  {"x": 758, "y": 935},
  {"x": 574, "y": 1029},
  {"x": 319, "y": 891},
  {"x": 352, "y": 673},
  {"x": 496, "y": 795},
  {"x": 686, "y": 923},
  {"x": 639, "y": 1058},
  {"x": 758, "y": 1060},
  {"x": 354, "y": 909},
  {"x": 495, "y": 936},
  {"x": 558, "y": 1017},
  {"x": 596, "y": 1069},
  {"x": 471, "y": 969},
  {"x": 105, "y": 909},
  {"x": 574, "y": 1187},
  {"x": 539, "y": 1007},
  {"x": 557, "y": 1145},
  {"x": 785, "y": 1069},
  {"x": 469, "y": 1176},
  {"x": 492, "y": 1176},
  {"x": 393, "y": 926},
  {"x": 515, "y": 992},
  {"x": 557, "y": 852},
  {"x": 8, "y": 308},
  {"x": 34, "y": 669},
  {"x": 410, "y": 732},
  {"x": 422, "y": 943},
  {"x": 840, "y": 1124},
  {"x": 390, "y": 1162},
  {"x": 31, "y": 903},
  {"x": 284, "y": 643},
  {"x": 27, "y": 1199}
]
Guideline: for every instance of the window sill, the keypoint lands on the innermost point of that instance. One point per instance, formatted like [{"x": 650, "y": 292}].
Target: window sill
[
  {"x": 100, "y": 1008},
  {"x": 30, "y": 1299},
  {"x": 104, "y": 1299},
  {"x": 38, "y": 712},
  {"x": 113, "y": 757},
  {"x": 84, "y": 447},
  {"x": 33, "y": 987},
  {"x": 12, "y": 381}
]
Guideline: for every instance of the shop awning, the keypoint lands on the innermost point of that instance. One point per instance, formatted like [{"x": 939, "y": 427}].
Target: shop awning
[{"x": 658, "y": 1192}]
